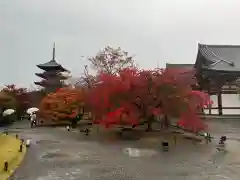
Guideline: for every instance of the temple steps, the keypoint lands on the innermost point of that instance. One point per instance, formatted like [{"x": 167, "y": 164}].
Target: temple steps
[{"x": 223, "y": 117}]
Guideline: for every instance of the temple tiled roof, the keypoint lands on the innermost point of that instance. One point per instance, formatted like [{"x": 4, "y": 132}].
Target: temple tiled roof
[
  {"x": 169, "y": 65},
  {"x": 223, "y": 58}
]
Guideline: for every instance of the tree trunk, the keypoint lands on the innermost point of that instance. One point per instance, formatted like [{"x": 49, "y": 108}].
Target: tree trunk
[
  {"x": 149, "y": 124},
  {"x": 166, "y": 122},
  {"x": 74, "y": 123}
]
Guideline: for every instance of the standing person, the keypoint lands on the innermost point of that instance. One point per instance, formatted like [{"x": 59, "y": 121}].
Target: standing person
[{"x": 33, "y": 119}]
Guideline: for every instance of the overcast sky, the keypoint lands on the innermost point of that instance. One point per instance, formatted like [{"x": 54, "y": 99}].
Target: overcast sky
[{"x": 155, "y": 31}]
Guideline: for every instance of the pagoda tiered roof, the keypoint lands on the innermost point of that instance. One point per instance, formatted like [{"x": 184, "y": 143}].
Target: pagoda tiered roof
[
  {"x": 53, "y": 73},
  {"x": 45, "y": 83},
  {"x": 52, "y": 64},
  {"x": 50, "y": 74}
]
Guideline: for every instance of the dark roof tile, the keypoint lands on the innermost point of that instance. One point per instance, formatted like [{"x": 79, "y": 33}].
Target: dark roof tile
[
  {"x": 219, "y": 57},
  {"x": 51, "y": 64},
  {"x": 168, "y": 65}
]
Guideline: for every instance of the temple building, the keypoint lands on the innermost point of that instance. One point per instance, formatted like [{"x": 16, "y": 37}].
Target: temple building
[
  {"x": 52, "y": 76},
  {"x": 217, "y": 71}
]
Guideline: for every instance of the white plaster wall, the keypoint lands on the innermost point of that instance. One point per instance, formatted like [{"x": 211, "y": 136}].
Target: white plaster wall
[{"x": 228, "y": 100}]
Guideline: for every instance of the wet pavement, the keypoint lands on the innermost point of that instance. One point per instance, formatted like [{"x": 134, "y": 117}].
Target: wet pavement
[{"x": 56, "y": 154}]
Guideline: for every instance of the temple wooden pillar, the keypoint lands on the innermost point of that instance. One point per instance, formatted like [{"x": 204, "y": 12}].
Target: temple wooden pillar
[
  {"x": 210, "y": 105},
  {"x": 219, "y": 100},
  {"x": 209, "y": 109}
]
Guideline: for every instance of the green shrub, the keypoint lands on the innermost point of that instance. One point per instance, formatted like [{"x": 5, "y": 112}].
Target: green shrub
[{"x": 7, "y": 120}]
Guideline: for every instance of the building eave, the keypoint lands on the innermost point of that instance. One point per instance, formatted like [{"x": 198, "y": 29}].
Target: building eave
[{"x": 218, "y": 57}]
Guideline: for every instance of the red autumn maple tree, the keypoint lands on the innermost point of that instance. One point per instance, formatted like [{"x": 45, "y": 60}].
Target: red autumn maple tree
[
  {"x": 64, "y": 104},
  {"x": 133, "y": 96}
]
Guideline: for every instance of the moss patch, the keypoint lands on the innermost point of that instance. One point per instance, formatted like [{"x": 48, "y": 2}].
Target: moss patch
[{"x": 9, "y": 151}]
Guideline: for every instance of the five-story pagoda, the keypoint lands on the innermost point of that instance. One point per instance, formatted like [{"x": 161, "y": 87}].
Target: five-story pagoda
[{"x": 52, "y": 76}]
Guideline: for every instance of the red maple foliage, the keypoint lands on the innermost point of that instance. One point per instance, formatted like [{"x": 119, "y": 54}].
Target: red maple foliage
[{"x": 133, "y": 96}]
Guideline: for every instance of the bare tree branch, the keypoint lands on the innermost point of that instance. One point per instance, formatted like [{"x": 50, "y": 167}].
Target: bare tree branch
[{"x": 111, "y": 60}]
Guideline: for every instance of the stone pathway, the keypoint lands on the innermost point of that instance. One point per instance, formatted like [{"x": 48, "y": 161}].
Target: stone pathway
[{"x": 59, "y": 155}]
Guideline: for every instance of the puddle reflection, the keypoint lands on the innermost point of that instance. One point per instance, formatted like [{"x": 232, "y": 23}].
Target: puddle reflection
[{"x": 135, "y": 152}]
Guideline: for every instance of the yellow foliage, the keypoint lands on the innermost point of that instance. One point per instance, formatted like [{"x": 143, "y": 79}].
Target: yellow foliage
[
  {"x": 7, "y": 101},
  {"x": 9, "y": 151}
]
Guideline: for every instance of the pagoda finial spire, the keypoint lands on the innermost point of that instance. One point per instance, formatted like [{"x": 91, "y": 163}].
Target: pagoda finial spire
[{"x": 53, "y": 58}]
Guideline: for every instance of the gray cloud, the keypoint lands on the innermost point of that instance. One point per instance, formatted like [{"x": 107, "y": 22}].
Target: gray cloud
[{"x": 155, "y": 31}]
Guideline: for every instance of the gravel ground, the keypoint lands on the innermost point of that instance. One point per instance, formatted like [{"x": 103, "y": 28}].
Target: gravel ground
[{"x": 59, "y": 155}]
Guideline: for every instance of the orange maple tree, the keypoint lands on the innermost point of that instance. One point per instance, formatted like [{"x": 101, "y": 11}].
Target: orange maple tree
[{"x": 64, "y": 104}]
